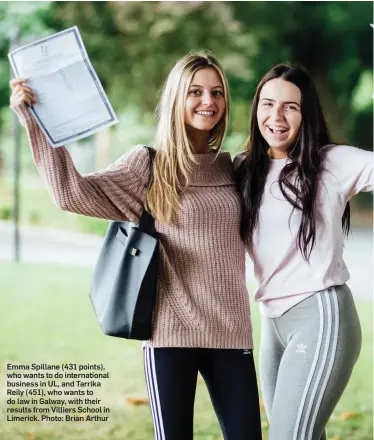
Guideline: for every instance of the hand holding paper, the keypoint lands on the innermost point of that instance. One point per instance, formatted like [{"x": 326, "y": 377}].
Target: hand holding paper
[
  {"x": 21, "y": 93},
  {"x": 70, "y": 101}
]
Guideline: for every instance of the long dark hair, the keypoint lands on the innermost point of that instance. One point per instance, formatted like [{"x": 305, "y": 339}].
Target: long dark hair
[{"x": 298, "y": 180}]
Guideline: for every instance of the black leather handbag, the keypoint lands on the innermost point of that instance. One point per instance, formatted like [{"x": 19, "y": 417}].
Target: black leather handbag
[{"x": 124, "y": 284}]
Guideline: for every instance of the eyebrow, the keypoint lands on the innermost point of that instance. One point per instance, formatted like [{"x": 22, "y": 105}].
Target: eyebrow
[
  {"x": 201, "y": 87},
  {"x": 285, "y": 102}
]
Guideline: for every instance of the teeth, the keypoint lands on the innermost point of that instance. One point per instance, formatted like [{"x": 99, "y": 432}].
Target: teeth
[
  {"x": 205, "y": 113},
  {"x": 279, "y": 129}
]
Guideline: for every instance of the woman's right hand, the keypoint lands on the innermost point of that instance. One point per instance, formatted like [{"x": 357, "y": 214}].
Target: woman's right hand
[{"x": 21, "y": 93}]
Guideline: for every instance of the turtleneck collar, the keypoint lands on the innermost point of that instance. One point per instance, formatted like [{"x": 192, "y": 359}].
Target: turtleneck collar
[{"x": 211, "y": 169}]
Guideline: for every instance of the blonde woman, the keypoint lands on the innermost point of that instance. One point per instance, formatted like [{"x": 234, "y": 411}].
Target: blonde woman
[{"x": 202, "y": 314}]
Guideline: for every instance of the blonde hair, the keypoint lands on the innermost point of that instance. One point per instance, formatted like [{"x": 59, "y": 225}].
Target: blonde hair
[{"x": 174, "y": 152}]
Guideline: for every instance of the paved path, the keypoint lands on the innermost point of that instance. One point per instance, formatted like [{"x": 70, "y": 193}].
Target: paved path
[{"x": 46, "y": 245}]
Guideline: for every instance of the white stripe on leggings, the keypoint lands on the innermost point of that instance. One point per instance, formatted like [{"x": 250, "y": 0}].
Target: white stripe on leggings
[
  {"x": 153, "y": 392},
  {"x": 331, "y": 363},
  {"x": 158, "y": 404},
  {"x": 150, "y": 391},
  {"x": 321, "y": 367},
  {"x": 316, "y": 355}
]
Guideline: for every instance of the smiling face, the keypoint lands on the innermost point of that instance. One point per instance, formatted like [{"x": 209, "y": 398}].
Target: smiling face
[
  {"x": 205, "y": 104},
  {"x": 279, "y": 115}
]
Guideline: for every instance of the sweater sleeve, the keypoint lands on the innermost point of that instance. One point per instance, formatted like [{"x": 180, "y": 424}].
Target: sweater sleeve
[
  {"x": 115, "y": 193},
  {"x": 353, "y": 169}
]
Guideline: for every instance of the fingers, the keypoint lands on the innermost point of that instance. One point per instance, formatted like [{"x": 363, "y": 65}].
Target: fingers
[
  {"x": 14, "y": 82},
  {"x": 21, "y": 91},
  {"x": 22, "y": 94},
  {"x": 25, "y": 88}
]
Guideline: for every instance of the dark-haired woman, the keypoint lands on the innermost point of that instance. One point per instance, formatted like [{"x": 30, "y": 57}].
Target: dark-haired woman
[{"x": 296, "y": 186}]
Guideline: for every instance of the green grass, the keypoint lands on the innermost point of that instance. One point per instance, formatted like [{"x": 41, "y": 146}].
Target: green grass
[{"x": 49, "y": 319}]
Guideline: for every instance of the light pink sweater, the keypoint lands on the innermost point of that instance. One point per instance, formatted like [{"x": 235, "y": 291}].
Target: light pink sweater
[
  {"x": 202, "y": 299},
  {"x": 284, "y": 278}
]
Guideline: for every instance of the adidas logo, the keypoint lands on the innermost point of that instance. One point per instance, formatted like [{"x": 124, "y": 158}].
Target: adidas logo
[{"x": 301, "y": 348}]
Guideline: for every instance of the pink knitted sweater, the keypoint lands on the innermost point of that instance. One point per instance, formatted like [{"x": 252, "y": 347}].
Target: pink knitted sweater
[{"x": 202, "y": 299}]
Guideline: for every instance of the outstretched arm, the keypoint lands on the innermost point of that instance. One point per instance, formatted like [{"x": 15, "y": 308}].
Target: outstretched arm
[
  {"x": 116, "y": 193},
  {"x": 353, "y": 169}
]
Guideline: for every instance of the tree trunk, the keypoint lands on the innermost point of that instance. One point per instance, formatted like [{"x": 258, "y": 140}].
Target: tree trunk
[
  {"x": 102, "y": 147},
  {"x": 337, "y": 117}
]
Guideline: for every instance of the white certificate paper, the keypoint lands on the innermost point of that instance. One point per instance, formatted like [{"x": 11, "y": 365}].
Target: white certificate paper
[{"x": 71, "y": 102}]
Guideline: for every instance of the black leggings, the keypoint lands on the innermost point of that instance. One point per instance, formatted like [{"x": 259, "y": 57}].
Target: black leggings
[{"x": 171, "y": 375}]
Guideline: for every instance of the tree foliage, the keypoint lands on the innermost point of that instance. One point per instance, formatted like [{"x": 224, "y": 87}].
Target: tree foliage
[
  {"x": 133, "y": 45},
  {"x": 20, "y": 22}
]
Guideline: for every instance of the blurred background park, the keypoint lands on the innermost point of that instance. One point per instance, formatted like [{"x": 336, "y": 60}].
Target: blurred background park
[{"x": 132, "y": 46}]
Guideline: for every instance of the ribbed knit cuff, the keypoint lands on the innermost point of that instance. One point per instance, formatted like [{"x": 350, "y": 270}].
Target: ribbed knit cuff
[
  {"x": 240, "y": 339},
  {"x": 23, "y": 113}
]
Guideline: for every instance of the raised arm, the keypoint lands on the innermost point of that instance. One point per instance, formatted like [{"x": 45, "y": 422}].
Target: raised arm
[{"x": 116, "y": 193}]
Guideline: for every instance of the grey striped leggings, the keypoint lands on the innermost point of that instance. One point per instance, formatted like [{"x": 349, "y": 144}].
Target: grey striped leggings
[{"x": 306, "y": 359}]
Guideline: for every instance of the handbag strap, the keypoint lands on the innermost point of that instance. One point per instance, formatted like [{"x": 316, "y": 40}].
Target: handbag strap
[
  {"x": 146, "y": 221},
  {"x": 151, "y": 154}
]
